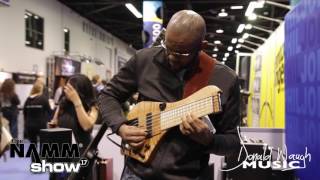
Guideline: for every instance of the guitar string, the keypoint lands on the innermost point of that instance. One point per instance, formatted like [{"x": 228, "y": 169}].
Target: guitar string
[
  {"x": 176, "y": 114},
  {"x": 161, "y": 113},
  {"x": 175, "y": 119},
  {"x": 155, "y": 115}
]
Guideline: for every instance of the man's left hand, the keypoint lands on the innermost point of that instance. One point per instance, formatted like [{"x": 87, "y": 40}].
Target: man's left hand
[{"x": 196, "y": 129}]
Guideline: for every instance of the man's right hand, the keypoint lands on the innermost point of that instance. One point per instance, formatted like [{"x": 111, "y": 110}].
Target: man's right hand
[{"x": 132, "y": 135}]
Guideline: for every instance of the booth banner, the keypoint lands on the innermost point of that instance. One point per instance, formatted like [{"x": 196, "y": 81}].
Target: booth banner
[
  {"x": 266, "y": 102},
  {"x": 294, "y": 2},
  {"x": 152, "y": 21},
  {"x": 23, "y": 78},
  {"x": 302, "y": 85},
  {"x": 88, "y": 69},
  {"x": 256, "y": 91}
]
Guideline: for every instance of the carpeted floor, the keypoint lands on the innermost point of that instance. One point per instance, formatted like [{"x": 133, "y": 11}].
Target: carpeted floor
[{"x": 18, "y": 168}]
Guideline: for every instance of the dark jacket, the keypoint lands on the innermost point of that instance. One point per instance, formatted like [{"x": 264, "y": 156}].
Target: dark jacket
[
  {"x": 67, "y": 118},
  {"x": 178, "y": 157},
  {"x": 36, "y": 112}
]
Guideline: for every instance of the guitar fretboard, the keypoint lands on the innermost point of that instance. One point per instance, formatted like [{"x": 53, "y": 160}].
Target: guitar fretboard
[{"x": 199, "y": 108}]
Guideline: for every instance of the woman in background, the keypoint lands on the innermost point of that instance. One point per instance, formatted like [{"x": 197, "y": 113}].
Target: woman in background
[
  {"x": 58, "y": 93},
  {"x": 77, "y": 109},
  {"x": 36, "y": 112},
  {"x": 9, "y": 103}
]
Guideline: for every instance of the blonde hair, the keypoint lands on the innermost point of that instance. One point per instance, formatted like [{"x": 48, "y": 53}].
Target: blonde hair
[
  {"x": 37, "y": 88},
  {"x": 95, "y": 79}
]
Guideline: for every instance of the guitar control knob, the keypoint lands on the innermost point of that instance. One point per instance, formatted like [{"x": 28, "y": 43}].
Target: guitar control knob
[
  {"x": 142, "y": 155},
  {"x": 127, "y": 146},
  {"x": 162, "y": 106},
  {"x": 147, "y": 146}
]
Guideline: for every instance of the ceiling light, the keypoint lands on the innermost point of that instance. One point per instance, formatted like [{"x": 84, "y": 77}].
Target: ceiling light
[
  {"x": 274, "y": 4},
  {"x": 226, "y": 54},
  {"x": 257, "y": 37},
  {"x": 262, "y": 29},
  {"x": 133, "y": 10},
  {"x": 236, "y": 7},
  {"x": 219, "y": 31},
  {"x": 234, "y": 40},
  {"x": 252, "y": 17},
  {"x": 245, "y": 36},
  {"x": 217, "y": 42},
  {"x": 240, "y": 28},
  {"x": 66, "y": 30},
  {"x": 224, "y": 59},
  {"x": 214, "y": 55},
  {"x": 241, "y": 40},
  {"x": 252, "y": 6},
  {"x": 238, "y": 46},
  {"x": 236, "y": 51},
  {"x": 230, "y": 48},
  {"x": 223, "y": 13},
  {"x": 216, "y": 49},
  {"x": 260, "y": 3},
  {"x": 247, "y": 47},
  {"x": 248, "y": 26}
]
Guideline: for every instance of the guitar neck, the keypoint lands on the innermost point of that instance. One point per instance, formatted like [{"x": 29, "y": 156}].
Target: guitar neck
[{"x": 199, "y": 108}]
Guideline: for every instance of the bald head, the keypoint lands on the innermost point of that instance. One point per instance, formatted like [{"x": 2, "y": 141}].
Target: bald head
[
  {"x": 184, "y": 39},
  {"x": 187, "y": 22}
]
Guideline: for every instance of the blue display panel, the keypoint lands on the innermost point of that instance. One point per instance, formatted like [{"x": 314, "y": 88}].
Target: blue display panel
[
  {"x": 302, "y": 84},
  {"x": 152, "y": 21}
]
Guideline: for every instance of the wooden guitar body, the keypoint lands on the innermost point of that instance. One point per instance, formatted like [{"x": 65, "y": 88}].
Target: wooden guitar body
[{"x": 157, "y": 117}]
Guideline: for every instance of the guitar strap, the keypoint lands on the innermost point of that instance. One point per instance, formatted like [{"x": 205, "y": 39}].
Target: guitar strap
[{"x": 201, "y": 76}]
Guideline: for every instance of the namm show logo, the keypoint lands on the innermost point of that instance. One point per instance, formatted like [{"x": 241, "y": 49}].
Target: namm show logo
[{"x": 53, "y": 157}]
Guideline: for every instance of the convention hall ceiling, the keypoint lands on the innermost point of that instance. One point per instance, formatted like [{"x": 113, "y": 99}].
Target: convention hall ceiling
[{"x": 114, "y": 17}]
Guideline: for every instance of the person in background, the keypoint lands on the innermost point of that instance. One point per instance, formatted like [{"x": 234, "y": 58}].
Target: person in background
[
  {"x": 95, "y": 80},
  {"x": 97, "y": 84},
  {"x": 58, "y": 93},
  {"x": 9, "y": 103},
  {"x": 36, "y": 112},
  {"x": 77, "y": 109},
  {"x": 42, "y": 79},
  {"x": 103, "y": 85}
]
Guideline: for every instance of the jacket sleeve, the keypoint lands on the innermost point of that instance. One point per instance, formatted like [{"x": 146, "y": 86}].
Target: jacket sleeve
[
  {"x": 226, "y": 140},
  {"x": 15, "y": 100},
  {"x": 117, "y": 91},
  {"x": 46, "y": 106}
]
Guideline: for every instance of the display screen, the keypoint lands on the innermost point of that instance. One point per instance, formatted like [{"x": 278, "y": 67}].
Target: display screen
[{"x": 66, "y": 67}]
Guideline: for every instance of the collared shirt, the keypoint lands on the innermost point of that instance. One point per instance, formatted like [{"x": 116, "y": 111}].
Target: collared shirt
[{"x": 178, "y": 156}]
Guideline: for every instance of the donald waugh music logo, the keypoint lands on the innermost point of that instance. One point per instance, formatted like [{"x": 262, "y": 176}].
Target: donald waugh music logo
[{"x": 283, "y": 161}]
